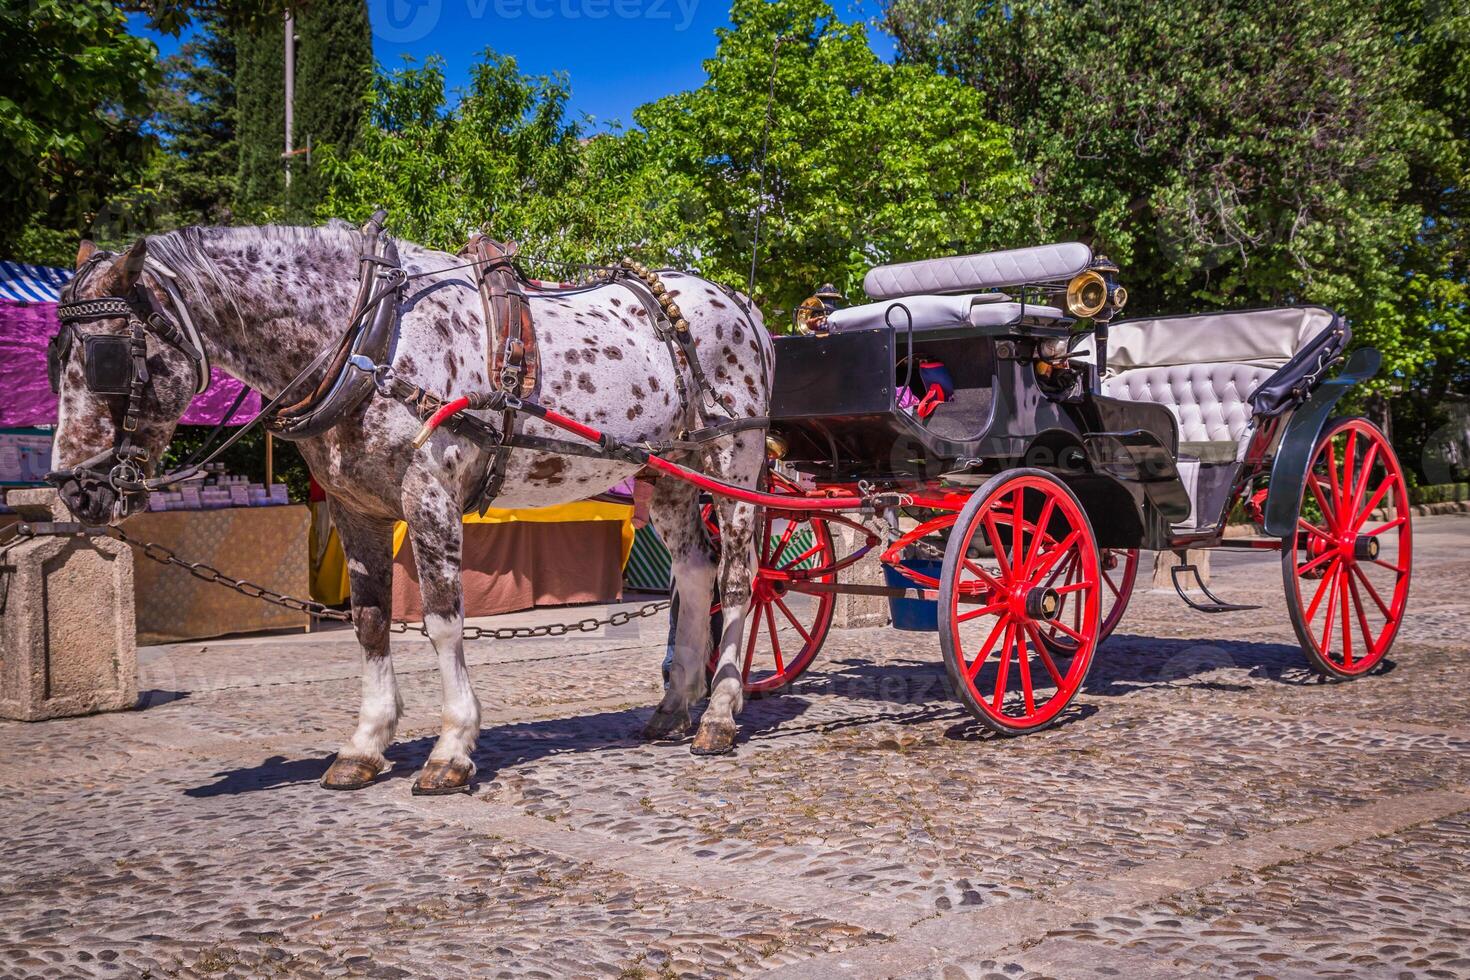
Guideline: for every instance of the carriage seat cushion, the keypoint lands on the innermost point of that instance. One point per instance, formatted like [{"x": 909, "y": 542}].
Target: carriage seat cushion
[
  {"x": 986, "y": 270},
  {"x": 1211, "y": 402},
  {"x": 939, "y": 312}
]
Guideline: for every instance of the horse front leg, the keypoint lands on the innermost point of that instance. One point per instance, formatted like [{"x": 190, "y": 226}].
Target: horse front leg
[
  {"x": 675, "y": 513},
  {"x": 435, "y": 528},
  {"x": 368, "y": 544}
]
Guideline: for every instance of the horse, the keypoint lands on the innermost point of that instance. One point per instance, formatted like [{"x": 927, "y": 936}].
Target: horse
[{"x": 265, "y": 301}]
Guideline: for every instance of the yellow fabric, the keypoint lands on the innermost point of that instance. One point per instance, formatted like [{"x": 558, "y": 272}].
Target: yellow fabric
[
  {"x": 329, "y": 582},
  {"x": 583, "y": 510}
]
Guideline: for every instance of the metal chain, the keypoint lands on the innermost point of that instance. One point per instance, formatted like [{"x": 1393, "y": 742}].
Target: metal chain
[{"x": 208, "y": 573}]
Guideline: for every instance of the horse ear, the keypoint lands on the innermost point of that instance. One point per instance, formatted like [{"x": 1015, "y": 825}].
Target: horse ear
[
  {"x": 85, "y": 252},
  {"x": 126, "y": 268}
]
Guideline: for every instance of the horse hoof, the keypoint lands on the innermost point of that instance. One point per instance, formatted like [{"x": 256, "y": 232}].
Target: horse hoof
[
  {"x": 350, "y": 774},
  {"x": 442, "y": 778},
  {"x": 714, "y": 738},
  {"x": 666, "y": 726}
]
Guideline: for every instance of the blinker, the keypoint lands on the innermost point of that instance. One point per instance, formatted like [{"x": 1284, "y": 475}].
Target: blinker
[{"x": 107, "y": 362}]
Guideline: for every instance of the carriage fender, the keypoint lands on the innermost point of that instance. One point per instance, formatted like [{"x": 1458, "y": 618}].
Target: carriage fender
[{"x": 1299, "y": 441}]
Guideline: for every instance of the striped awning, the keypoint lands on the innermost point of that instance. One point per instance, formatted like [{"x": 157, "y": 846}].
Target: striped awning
[{"x": 31, "y": 283}]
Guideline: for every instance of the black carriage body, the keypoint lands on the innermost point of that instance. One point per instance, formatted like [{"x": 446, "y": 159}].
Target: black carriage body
[{"x": 834, "y": 405}]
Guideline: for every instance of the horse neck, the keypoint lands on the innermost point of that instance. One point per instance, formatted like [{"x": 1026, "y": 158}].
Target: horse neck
[{"x": 277, "y": 300}]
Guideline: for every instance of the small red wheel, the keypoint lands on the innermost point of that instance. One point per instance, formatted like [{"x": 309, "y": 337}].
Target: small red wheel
[
  {"x": 1347, "y": 566},
  {"x": 1119, "y": 568},
  {"x": 785, "y": 627},
  {"x": 991, "y": 619}
]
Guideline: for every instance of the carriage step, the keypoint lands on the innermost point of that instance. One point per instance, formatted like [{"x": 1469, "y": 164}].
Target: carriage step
[{"x": 1215, "y": 605}]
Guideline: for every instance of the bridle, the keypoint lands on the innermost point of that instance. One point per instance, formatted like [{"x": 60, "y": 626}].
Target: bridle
[{"x": 116, "y": 365}]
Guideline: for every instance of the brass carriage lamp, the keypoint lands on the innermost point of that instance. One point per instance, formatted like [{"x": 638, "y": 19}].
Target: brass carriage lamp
[
  {"x": 1096, "y": 293},
  {"x": 811, "y": 315}
]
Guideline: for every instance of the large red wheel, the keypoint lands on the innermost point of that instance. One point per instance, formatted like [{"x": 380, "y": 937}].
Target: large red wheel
[
  {"x": 1347, "y": 566},
  {"x": 991, "y": 620},
  {"x": 784, "y": 628},
  {"x": 1119, "y": 567}
]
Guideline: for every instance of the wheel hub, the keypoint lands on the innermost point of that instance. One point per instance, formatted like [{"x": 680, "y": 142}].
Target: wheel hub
[
  {"x": 1365, "y": 547},
  {"x": 1042, "y": 603}
]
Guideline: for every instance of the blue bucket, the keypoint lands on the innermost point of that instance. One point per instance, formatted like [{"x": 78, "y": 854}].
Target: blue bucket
[{"x": 916, "y": 615}]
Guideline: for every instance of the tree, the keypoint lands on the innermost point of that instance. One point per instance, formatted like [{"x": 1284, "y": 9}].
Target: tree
[
  {"x": 867, "y": 162},
  {"x": 195, "y": 115},
  {"x": 72, "y": 93},
  {"x": 260, "y": 187},
  {"x": 1233, "y": 153},
  {"x": 334, "y": 75}
]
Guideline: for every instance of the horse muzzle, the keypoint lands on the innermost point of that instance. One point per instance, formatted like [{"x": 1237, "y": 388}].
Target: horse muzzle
[{"x": 92, "y": 500}]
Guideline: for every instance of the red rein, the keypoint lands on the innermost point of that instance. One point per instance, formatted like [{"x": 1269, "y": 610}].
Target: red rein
[{"x": 729, "y": 491}]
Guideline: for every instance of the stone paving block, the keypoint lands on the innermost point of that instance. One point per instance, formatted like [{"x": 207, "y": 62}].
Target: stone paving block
[{"x": 67, "y": 640}]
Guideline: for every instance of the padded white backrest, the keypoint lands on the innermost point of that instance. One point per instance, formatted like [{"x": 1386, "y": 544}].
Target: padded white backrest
[
  {"x": 1267, "y": 338},
  {"x": 988, "y": 270},
  {"x": 1209, "y": 401},
  {"x": 932, "y": 312}
]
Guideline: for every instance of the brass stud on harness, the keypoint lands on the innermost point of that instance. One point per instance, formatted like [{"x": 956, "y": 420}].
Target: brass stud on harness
[
  {"x": 672, "y": 309},
  {"x": 681, "y": 325}
]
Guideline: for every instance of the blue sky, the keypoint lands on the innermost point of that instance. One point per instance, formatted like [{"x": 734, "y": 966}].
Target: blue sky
[{"x": 618, "y": 54}]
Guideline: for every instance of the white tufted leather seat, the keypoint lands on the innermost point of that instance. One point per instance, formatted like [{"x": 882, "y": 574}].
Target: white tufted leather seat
[
  {"x": 1209, "y": 401},
  {"x": 1204, "y": 369}
]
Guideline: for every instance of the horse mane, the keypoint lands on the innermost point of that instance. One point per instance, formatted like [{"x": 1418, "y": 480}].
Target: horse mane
[{"x": 184, "y": 252}]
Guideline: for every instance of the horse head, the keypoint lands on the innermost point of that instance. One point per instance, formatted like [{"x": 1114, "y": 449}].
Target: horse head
[{"x": 124, "y": 373}]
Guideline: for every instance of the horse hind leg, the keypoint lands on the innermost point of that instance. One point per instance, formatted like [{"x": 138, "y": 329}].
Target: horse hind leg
[
  {"x": 437, "y": 534},
  {"x": 741, "y": 464},
  {"x": 675, "y": 513},
  {"x": 368, "y": 545}
]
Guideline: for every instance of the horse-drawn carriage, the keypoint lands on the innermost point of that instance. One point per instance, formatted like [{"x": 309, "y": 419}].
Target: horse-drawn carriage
[
  {"x": 982, "y": 420},
  {"x": 1062, "y": 444}
]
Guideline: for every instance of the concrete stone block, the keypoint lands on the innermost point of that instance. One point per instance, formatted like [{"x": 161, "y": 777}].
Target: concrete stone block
[
  {"x": 1165, "y": 560},
  {"x": 67, "y": 641},
  {"x": 858, "y": 611}
]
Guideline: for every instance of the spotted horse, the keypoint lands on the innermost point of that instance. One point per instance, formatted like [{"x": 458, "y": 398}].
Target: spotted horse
[{"x": 645, "y": 358}]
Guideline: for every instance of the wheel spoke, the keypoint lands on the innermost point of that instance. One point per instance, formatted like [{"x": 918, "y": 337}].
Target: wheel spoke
[
  {"x": 984, "y": 576},
  {"x": 1051, "y": 666},
  {"x": 1070, "y": 632},
  {"x": 997, "y": 547},
  {"x": 1040, "y": 535},
  {"x": 1386, "y": 527},
  {"x": 1321, "y": 591},
  {"x": 1331, "y": 601},
  {"x": 1023, "y": 661},
  {"x": 1316, "y": 486},
  {"x": 1347, "y": 624},
  {"x": 1369, "y": 644},
  {"x": 1050, "y": 558},
  {"x": 1367, "y": 509},
  {"x": 974, "y": 668},
  {"x": 1332, "y": 474},
  {"x": 780, "y": 548},
  {"x": 1005, "y": 663},
  {"x": 1108, "y": 581},
  {"x": 775, "y": 640},
  {"x": 802, "y": 557},
  {"x": 1365, "y": 470},
  {"x": 1344, "y": 501},
  {"x": 1307, "y": 525},
  {"x": 1373, "y": 593},
  {"x": 1018, "y": 531},
  {"x": 1396, "y": 569},
  {"x": 982, "y": 611},
  {"x": 1304, "y": 569},
  {"x": 1074, "y": 587},
  {"x": 792, "y": 619},
  {"x": 755, "y": 628}
]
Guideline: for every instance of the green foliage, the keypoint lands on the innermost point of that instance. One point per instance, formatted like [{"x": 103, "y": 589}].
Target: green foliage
[
  {"x": 260, "y": 122},
  {"x": 867, "y": 162},
  {"x": 334, "y": 73},
  {"x": 194, "y": 174},
  {"x": 73, "y": 90}
]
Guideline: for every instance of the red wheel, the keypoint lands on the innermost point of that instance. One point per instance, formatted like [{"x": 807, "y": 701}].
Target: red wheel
[
  {"x": 785, "y": 628},
  {"x": 991, "y": 619},
  {"x": 1347, "y": 566},
  {"x": 1119, "y": 568}
]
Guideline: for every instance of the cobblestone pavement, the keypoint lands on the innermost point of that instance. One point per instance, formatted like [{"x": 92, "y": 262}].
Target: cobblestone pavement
[{"x": 1205, "y": 807}]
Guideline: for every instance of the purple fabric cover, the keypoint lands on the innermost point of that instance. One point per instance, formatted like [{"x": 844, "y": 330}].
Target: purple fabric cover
[{"x": 25, "y": 330}]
